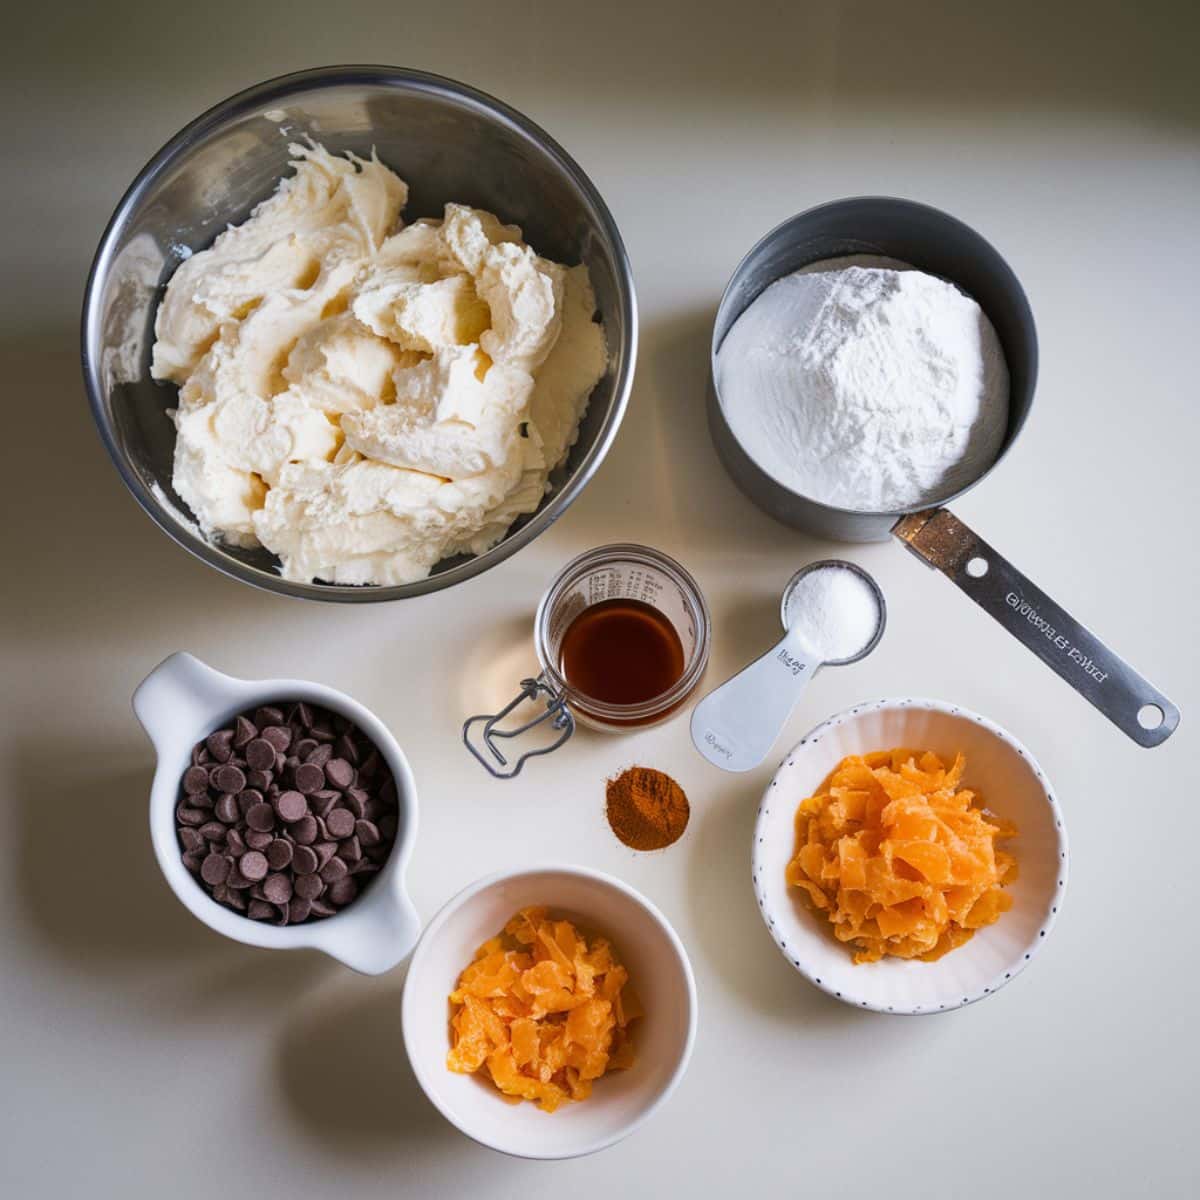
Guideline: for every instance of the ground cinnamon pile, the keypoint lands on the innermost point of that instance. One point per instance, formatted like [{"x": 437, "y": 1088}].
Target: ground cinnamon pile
[{"x": 646, "y": 809}]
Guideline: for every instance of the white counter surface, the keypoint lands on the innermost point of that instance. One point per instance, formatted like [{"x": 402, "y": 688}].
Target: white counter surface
[{"x": 144, "y": 1057}]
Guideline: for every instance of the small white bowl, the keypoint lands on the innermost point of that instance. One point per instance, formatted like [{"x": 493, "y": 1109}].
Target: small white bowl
[
  {"x": 179, "y": 704},
  {"x": 1011, "y": 783},
  {"x": 658, "y": 969}
]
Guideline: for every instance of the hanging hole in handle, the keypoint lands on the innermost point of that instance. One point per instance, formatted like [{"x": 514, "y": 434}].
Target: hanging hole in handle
[
  {"x": 1150, "y": 716},
  {"x": 977, "y": 567}
]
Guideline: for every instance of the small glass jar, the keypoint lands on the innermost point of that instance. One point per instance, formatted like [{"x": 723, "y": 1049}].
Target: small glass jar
[{"x": 618, "y": 572}]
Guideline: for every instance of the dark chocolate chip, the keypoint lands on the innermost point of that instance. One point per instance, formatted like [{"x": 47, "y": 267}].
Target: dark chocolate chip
[
  {"x": 322, "y": 731},
  {"x": 261, "y": 817},
  {"x": 280, "y": 736},
  {"x": 302, "y": 713},
  {"x": 187, "y": 815},
  {"x": 309, "y": 887},
  {"x": 260, "y": 910},
  {"x": 253, "y": 865},
  {"x": 235, "y": 842},
  {"x": 261, "y": 780},
  {"x": 193, "y": 859},
  {"x": 227, "y": 810},
  {"x": 244, "y": 731},
  {"x": 229, "y": 778},
  {"x": 291, "y": 806},
  {"x": 236, "y": 879},
  {"x": 268, "y": 715},
  {"x": 304, "y": 860},
  {"x": 277, "y": 888},
  {"x": 235, "y": 899},
  {"x": 260, "y": 755},
  {"x": 340, "y": 773},
  {"x": 304, "y": 747},
  {"x": 213, "y": 831},
  {"x": 298, "y": 910},
  {"x": 370, "y": 765},
  {"x": 367, "y": 833},
  {"x": 334, "y": 870},
  {"x": 192, "y": 840},
  {"x": 325, "y": 851},
  {"x": 308, "y": 777},
  {"x": 304, "y": 831},
  {"x": 321, "y": 909},
  {"x": 340, "y": 823},
  {"x": 320, "y": 756},
  {"x": 342, "y": 892},
  {"x": 247, "y": 799},
  {"x": 215, "y": 868},
  {"x": 279, "y": 854},
  {"x": 323, "y": 801},
  {"x": 355, "y": 800},
  {"x": 350, "y": 850},
  {"x": 220, "y": 745},
  {"x": 202, "y": 800},
  {"x": 258, "y": 840},
  {"x": 345, "y": 748},
  {"x": 195, "y": 779}
]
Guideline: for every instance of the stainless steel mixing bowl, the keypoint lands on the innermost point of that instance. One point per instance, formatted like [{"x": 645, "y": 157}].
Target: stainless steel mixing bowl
[{"x": 450, "y": 143}]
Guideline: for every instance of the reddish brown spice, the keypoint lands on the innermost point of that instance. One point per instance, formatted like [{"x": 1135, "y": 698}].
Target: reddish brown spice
[{"x": 647, "y": 809}]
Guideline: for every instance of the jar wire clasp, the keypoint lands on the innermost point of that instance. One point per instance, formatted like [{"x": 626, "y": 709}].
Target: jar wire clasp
[{"x": 557, "y": 713}]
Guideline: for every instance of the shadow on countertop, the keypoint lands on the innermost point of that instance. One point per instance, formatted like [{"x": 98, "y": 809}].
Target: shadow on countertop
[
  {"x": 342, "y": 1069},
  {"x": 87, "y": 882}
]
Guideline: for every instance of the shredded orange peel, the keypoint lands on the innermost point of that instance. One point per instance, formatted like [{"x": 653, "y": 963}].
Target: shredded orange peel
[
  {"x": 900, "y": 858},
  {"x": 543, "y": 1011}
]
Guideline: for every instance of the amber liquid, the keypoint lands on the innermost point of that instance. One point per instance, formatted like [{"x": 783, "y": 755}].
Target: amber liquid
[{"x": 621, "y": 652}]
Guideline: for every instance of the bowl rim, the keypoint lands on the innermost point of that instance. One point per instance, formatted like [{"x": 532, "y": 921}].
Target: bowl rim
[
  {"x": 682, "y": 963},
  {"x": 279, "y": 88},
  {"x": 1055, "y": 903}
]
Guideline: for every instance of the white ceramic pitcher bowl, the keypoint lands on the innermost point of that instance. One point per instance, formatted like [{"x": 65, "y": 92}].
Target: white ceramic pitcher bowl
[{"x": 182, "y": 701}]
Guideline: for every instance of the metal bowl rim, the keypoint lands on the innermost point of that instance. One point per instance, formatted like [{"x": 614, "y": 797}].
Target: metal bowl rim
[
  {"x": 787, "y": 228},
  {"x": 278, "y": 88}
]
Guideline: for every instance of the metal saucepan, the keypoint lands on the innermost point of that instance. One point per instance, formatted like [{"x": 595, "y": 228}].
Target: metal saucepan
[{"x": 940, "y": 245}]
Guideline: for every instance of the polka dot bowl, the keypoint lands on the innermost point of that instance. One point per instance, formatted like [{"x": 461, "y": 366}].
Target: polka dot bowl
[{"x": 1010, "y": 781}]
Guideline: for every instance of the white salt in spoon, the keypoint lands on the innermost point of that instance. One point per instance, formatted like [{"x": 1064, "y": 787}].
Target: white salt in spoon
[{"x": 834, "y": 614}]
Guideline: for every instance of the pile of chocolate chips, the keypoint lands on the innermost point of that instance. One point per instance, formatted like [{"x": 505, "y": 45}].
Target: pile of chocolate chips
[{"x": 286, "y": 813}]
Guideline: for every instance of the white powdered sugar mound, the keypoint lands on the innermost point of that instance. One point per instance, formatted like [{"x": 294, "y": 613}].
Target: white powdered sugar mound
[{"x": 866, "y": 384}]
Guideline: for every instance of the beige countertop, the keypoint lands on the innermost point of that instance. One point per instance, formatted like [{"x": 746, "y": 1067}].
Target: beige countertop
[{"x": 144, "y": 1056}]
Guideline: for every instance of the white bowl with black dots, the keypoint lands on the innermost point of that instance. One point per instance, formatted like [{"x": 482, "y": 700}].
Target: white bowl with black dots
[{"x": 1009, "y": 781}]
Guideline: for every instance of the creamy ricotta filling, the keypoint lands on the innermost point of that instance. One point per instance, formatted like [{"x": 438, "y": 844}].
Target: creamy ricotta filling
[{"x": 365, "y": 398}]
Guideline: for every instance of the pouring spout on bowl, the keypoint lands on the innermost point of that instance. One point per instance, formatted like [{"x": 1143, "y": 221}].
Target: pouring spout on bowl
[
  {"x": 375, "y": 938},
  {"x": 180, "y": 693}
]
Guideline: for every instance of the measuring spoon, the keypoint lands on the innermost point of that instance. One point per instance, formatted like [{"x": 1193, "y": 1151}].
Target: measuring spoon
[{"x": 736, "y": 725}]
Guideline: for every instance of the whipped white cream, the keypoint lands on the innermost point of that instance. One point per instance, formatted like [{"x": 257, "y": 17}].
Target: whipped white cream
[{"x": 364, "y": 398}]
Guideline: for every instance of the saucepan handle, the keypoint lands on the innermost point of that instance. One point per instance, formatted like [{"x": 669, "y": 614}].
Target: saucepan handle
[{"x": 1131, "y": 703}]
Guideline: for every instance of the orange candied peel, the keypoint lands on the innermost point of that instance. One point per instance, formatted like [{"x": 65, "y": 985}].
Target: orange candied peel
[
  {"x": 543, "y": 1011},
  {"x": 900, "y": 858}
]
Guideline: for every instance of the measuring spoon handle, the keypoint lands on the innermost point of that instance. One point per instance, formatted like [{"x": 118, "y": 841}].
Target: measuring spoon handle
[
  {"x": 736, "y": 725},
  {"x": 942, "y": 541}
]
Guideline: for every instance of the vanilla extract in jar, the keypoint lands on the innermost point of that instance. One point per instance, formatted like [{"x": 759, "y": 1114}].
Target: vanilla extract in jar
[
  {"x": 622, "y": 635},
  {"x": 621, "y": 651}
]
